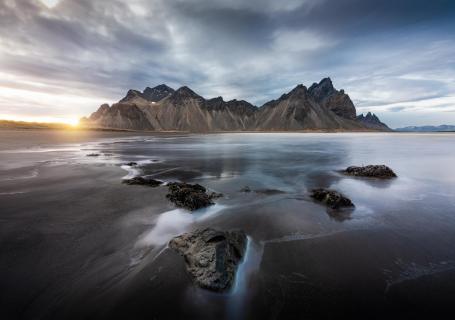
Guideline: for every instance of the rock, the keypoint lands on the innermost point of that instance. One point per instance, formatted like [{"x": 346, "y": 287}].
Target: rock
[
  {"x": 211, "y": 256},
  {"x": 215, "y": 195},
  {"x": 331, "y": 198},
  {"x": 143, "y": 181},
  {"x": 245, "y": 189},
  {"x": 190, "y": 196},
  {"x": 376, "y": 171},
  {"x": 131, "y": 164},
  {"x": 269, "y": 192}
]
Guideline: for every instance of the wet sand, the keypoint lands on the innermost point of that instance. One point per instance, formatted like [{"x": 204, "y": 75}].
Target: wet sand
[{"x": 77, "y": 243}]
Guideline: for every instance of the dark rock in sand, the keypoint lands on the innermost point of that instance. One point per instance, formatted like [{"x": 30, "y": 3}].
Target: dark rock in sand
[
  {"x": 375, "y": 171},
  {"x": 211, "y": 256},
  {"x": 190, "y": 196},
  {"x": 131, "y": 164},
  {"x": 93, "y": 155},
  {"x": 143, "y": 181},
  {"x": 269, "y": 192},
  {"x": 331, "y": 198}
]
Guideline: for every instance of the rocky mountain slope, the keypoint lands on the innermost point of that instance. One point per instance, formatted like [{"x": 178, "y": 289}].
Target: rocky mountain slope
[
  {"x": 320, "y": 107},
  {"x": 372, "y": 121}
]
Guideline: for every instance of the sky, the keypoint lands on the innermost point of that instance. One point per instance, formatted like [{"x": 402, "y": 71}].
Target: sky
[{"x": 61, "y": 59}]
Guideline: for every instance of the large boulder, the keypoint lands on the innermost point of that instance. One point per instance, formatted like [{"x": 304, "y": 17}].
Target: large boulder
[
  {"x": 211, "y": 256},
  {"x": 375, "y": 171},
  {"x": 333, "y": 199},
  {"x": 143, "y": 181},
  {"x": 190, "y": 196}
]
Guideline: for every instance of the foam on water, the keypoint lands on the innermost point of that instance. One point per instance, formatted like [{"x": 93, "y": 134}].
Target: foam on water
[
  {"x": 238, "y": 294},
  {"x": 134, "y": 171},
  {"x": 11, "y": 193},
  {"x": 175, "y": 222}
]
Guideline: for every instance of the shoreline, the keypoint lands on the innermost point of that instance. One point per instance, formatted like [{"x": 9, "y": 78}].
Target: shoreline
[{"x": 23, "y": 129}]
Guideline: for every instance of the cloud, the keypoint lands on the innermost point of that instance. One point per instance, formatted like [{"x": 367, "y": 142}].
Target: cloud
[{"x": 390, "y": 57}]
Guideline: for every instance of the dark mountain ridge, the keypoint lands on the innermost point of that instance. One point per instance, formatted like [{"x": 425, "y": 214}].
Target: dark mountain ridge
[{"x": 161, "y": 108}]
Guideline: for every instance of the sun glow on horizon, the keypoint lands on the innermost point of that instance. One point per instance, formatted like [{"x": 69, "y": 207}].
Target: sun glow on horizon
[{"x": 70, "y": 121}]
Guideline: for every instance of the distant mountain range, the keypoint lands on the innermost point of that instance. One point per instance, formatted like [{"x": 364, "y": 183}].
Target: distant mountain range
[
  {"x": 441, "y": 128},
  {"x": 319, "y": 107}
]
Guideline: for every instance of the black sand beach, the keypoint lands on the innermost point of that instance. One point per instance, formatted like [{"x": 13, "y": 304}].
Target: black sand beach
[{"x": 76, "y": 243}]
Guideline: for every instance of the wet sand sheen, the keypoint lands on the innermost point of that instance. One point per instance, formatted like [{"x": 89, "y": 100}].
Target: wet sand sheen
[{"x": 76, "y": 242}]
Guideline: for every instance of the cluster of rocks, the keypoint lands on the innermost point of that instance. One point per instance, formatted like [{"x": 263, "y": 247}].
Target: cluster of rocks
[
  {"x": 335, "y": 200},
  {"x": 190, "y": 196},
  {"x": 185, "y": 195},
  {"x": 211, "y": 256},
  {"x": 373, "y": 171}
]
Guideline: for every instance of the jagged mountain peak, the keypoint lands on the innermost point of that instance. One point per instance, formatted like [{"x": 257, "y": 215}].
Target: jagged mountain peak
[
  {"x": 157, "y": 93},
  {"x": 160, "y": 87},
  {"x": 372, "y": 121},
  {"x": 322, "y": 89},
  {"x": 325, "y": 82},
  {"x": 298, "y": 90},
  {"x": 186, "y": 91},
  {"x": 130, "y": 95},
  {"x": 319, "y": 107},
  {"x": 369, "y": 116},
  {"x": 183, "y": 95},
  {"x": 217, "y": 99}
]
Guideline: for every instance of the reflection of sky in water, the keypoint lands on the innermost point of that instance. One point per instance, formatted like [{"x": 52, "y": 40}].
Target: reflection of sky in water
[{"x": 422, "y": 198}]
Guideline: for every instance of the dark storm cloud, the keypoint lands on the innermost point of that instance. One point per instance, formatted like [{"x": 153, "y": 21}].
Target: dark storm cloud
[
  {"x": 360, "y": 16},
  {"x": 383, "y": 53}
]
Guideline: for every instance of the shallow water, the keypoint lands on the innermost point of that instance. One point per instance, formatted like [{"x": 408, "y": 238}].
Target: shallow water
[{"x": 78, "y": 243}]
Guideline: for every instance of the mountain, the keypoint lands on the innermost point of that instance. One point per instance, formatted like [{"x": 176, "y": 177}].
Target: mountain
[
  {"x": 320, "y": 107},
  {"x": 372, "y": 121},
  {"x": 441, "y": 128},
  {"x": 157, "y": 93}
]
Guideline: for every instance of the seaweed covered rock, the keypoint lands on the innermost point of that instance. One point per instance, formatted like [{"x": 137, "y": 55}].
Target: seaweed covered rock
[
  {"x": 190, "y": 196},
  {"x": 211, "y": 256},
  {"x": 374, "y": 171},
  {"x": 143, "y": 181},
  {"x": 333, "y": 199}
]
